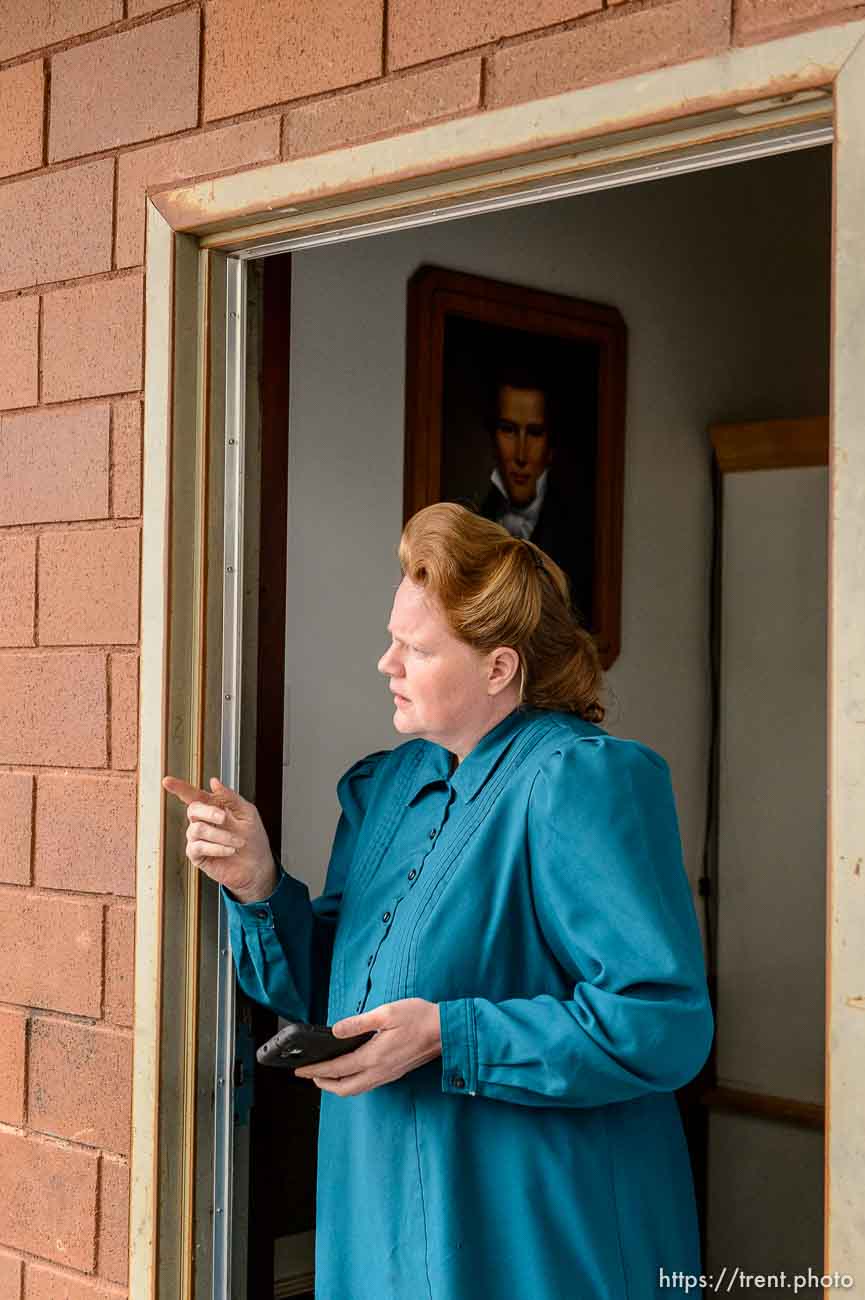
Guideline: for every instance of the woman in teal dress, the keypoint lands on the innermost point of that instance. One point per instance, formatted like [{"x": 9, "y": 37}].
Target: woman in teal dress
[{"x": 506, "y": 907}]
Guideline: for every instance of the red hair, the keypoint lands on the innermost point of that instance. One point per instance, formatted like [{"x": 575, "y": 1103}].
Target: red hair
[{"x": 498, "y": 590}]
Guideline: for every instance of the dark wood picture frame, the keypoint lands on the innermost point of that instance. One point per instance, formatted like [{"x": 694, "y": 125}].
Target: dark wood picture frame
[{"x": 435, "y": 297}]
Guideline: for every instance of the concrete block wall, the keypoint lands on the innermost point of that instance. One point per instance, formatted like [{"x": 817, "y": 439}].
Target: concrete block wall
[{"x": 100, "y": 101}]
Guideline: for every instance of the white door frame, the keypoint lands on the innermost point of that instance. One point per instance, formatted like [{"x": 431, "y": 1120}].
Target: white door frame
[{"x": 747, "y": 101}]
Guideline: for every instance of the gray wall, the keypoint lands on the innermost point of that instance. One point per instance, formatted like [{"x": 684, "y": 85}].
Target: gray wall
[
  {"x": 772, "y": 797},
  {"x": 722, "y": 278}
]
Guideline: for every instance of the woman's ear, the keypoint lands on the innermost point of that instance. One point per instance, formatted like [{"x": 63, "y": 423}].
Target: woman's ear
[{"x": 504, "y": 666}]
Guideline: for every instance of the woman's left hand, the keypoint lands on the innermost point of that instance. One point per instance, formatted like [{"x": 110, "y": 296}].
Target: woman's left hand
[{"x": 408, "y": 1036}]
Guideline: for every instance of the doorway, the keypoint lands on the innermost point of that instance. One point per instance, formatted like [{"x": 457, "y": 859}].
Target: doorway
[{"x": 722, "y": 277}]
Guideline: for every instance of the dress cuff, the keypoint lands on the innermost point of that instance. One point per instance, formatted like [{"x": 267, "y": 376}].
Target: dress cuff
[
  {"x": 459, "y": 1046},
  {"x": 259, "y": 915}
]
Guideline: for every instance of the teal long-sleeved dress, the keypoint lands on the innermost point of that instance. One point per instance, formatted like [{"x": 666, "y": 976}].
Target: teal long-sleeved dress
[{"x": 537, "y": 893}]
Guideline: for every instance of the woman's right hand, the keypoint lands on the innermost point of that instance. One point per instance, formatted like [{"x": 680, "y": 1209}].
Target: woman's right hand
[{"x": 225, "y": 837}]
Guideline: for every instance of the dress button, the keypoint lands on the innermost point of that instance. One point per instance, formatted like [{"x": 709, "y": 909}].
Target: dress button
[
  {"x": 369, "y": 960},
  {"x": 433, "y": 833},
  {"x": 262, "y": 913},
  {"x": 458, "y": 1081},
  {"x": 386, "y": 917},
  {"x": 412, "y": 874}
]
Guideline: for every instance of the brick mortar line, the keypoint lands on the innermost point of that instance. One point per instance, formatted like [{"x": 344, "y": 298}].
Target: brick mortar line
[
  {"x": 82, "y": 1022},
  {"x": 115, "y": 1290},
  {"x": 33, "y": 769},
  {"x": 74, "y": 525},
  {"x": 25, "y": 1101},
  {"x": 40, "y": 309},
  {"x": 594, "y": 18},
  {"x": 32, "y": 861},
  {"x": 104, "y": 965},
  {"x": 37, "y": 559},
  {"x": 108, "y": 718},
  {"x": 115, "y": 204},
  {"x": 21, "y": 768},
  {"x": 531, "y": 34},
  {"x": 337, "y": 92},
  {"x": 8, "y": 769},
  {"x": 53, "y": 649},
  {"x": 54, "y": 286},
  {"x": 77, "y": 896},
  {"x": 388, "y": 133},
  {"x": 37, "y": 529},
  {"x": 97, "y": 1213},
  {"x": 27, "y": 1257},
  {"x": 202, "y": 26},
  {"x": 66, "y": 1144},
  {"x": 109, "y": 505},
  {"x": 48, "y": 1013},
  {"x": 73, "y": 403},
  {"x": 98, "y": 34},
  {"x": 46, "y": 109},
  {"x": 99, "y": 524}
]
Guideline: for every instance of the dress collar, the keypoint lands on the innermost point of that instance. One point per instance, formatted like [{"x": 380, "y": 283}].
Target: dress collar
[{"x": 439, "y": 764}]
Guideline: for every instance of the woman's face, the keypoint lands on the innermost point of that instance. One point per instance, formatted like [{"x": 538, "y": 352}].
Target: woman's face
[{"x": 445, "y": 691}]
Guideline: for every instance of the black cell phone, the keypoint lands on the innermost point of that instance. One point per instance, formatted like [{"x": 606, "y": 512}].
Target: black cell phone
[{"x": 298, "y": 1043}]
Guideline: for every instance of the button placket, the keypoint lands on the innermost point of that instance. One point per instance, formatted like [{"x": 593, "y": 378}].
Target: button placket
[
  {"x": 387, "y": 919},
  {"x": 410, "y": 874}
]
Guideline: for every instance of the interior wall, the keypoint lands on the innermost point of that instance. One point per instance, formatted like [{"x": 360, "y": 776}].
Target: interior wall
[
  {"x": 772, "y": 834},
  {"x": 765, "y": 1185},
  {"x": 722, "y": 278}
]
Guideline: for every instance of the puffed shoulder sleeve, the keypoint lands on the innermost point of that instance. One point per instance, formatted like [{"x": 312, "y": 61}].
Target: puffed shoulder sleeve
[
  {"x": 282, "y": 945},
  {"x": 613, "y": 901}
]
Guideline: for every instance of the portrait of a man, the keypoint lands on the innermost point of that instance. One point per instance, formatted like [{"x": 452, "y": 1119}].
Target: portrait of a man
[
  {"x": 525, "y": 494},
  {"x": 519, "y": 436},
  {"x": 515, "y": 408}
]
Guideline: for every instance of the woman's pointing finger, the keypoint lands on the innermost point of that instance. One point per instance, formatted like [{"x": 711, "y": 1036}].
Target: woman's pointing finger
[{"x": 183, "y": 791}]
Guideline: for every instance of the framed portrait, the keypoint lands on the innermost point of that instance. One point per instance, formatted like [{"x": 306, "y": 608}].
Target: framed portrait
[{"x": 515, "y": 407}]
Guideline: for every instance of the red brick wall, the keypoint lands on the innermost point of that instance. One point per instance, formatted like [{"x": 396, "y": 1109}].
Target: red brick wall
[{"x": 99, "y": 100}]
